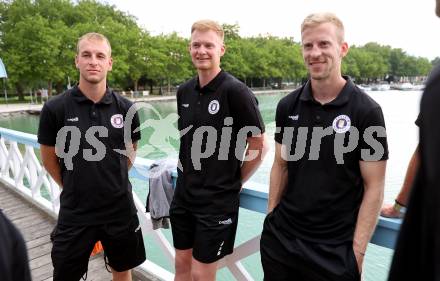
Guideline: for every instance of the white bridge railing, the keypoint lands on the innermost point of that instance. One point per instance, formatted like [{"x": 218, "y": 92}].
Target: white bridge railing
[{"x": 21, "y": 170}]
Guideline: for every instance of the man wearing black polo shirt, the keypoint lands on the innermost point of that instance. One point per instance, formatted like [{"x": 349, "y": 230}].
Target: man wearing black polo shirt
[
  {"x": 83, "y": 148},
  {"x": 14, "y": 263},
  {"x": 417, "y": 252},
  {"x": 327, "y": 179},
  {"x": 221, "y": 117}
]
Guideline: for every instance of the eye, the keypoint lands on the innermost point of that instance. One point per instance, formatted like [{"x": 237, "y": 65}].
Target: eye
[
  {"x": 324, "y": 44},
  {"x": 307, "y": 46},
  {"x": 195, "y": 45}
]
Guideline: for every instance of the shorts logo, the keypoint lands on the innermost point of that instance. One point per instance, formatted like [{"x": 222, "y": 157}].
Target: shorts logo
[
  {"x": 294, "y": 117},
  {"x": 76, "y": 119},
  {"x": 214, "y": 107},
  {"x": 220, "y": 248},
  {"x": 117, "y": 121},
  {"x": 228, "y": 221},
  {"x": 341, "y": 124}
]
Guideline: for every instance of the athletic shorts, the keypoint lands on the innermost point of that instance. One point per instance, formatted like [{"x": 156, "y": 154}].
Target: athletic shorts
[
  {"x": 72, "y": 245},
  {"x": 210, "y": 236},
  {"x": 297, "y": 260}
]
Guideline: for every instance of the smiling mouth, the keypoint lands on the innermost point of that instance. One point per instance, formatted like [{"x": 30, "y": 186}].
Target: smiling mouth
[{"x": 316, "y": 63}]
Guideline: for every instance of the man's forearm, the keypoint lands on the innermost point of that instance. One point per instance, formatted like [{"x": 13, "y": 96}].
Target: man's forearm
[
  {"x": 367, "y": 218},
  {"x": 54, "y": 171},
  {"x": 51, "y": 164},
  {"x": 278, "y": 182},
  {"x": 131, "y": 150},
  {"x": 257, "y": 150}
]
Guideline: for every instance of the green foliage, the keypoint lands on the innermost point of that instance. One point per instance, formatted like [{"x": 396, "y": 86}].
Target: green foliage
[{"x": 38, "y": 45}]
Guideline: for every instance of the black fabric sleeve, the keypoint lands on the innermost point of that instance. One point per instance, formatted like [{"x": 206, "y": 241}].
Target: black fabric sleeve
[
  {"x": 374, "y": 120},
  {"x": 179, "y": 121},
  {"x": 418, "y": 120},
  {"x": 14, "y": 263},
  {"x": 47, "y": 129},
  {"x": 135, "y": 136},
  {"x": 279, "y": 121},
  {"x": 244, "y": 107}
]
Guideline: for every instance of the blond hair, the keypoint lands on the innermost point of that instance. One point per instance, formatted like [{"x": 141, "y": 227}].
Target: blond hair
[
  {"x": 206, "y": 25},
  {"x": 94, "y": 36},
  {"x": 316, "y": 19}
]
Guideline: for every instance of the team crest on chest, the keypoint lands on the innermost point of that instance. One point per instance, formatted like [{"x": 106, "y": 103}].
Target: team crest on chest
[
  {"x": 341, "y": 124},
  {"x": 117, "y": 121},
  {"x": 213, "y": 107}
]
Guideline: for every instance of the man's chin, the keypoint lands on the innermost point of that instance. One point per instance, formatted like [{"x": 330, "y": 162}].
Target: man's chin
[
  {"x": 93, "y": 80},
  {"x": 317, "y": 76},
  {"x": 203, "y": 67}
]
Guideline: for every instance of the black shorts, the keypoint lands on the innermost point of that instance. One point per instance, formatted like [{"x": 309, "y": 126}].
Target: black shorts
[
  {"x": 72, "y": 245},
  {"x": 297, "y": 260},
  {"x": 210, "y": 236}
]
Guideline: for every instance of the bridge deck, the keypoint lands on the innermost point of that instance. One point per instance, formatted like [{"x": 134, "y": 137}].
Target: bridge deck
[{"x": 35, "y": 227}]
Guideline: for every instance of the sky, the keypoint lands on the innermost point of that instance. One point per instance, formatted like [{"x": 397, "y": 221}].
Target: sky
[{"x": 407, "y": 24}]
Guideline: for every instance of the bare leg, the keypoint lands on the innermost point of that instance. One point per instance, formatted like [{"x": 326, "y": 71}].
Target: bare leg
[
  {"x": 182, "y": 263},
  {"x": 203, "y": 271},
  {"x": 121, "y": 276}
]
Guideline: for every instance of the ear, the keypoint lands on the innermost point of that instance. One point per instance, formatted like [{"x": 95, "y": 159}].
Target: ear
[
  {"x": 76, "y": 61},
  {"x": 110, "y": 63},
  {"x": 222, "y": 50},
  {"x": 344, "y": 49}
]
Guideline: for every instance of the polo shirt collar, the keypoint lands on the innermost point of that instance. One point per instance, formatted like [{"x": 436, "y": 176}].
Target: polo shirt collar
[
  {"x": 341, "y": 99},
  {"x": 213, "y": 85},
  {"x": 80, "y": 97}
]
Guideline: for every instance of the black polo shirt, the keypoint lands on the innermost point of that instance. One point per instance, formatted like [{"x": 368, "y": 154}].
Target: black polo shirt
[
  {"x": 224, "y": 106},
  {"x": 14, "y": 263},
  {"x": 417, "y": 252},
  {"x": 95, "y": 190},
  {"x": 324, "y": 190}
]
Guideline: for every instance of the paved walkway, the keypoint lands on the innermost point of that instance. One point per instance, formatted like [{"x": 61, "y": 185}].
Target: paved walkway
[
  {"x": 36, "y": 227},
  {"x": 28, "y": 107},
  {"x": 21, "y": 107}
]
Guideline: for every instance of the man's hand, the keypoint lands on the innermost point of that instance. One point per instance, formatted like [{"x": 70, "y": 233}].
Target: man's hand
[
  {"x": 359, "y": 259},
  {"x": 389, "y": 211}
]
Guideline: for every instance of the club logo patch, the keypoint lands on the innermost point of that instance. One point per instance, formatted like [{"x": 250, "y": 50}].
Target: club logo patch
[
  {"x": 117, "y": 121},
  {"x": 341, "y": 124},
  {"x": 213, "y": 107}
]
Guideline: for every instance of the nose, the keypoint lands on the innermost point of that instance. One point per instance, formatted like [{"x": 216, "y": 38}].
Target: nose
[
  {"x": 93, "y": 60},
  {"x": 315, "y": 51},
  {"x": 201, "y": 50}
]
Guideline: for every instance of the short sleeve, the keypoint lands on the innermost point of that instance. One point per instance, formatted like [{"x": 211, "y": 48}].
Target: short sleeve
[
  {"x": 47, "y": 129},
  {"x": 135, "y": 136},
  {"x": 244, "y": 108},
  {"x": 418, "y": 121},
  {"x": 279, "y": 122},
  {"x": 372, "y": 136}
]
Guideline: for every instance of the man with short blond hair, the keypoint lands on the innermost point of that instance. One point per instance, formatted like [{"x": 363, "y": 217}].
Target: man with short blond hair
[
  {"x": 327, "y": 179},
  {"x": 223, "y": 122},
  {"x": 96, "y": 202}
]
